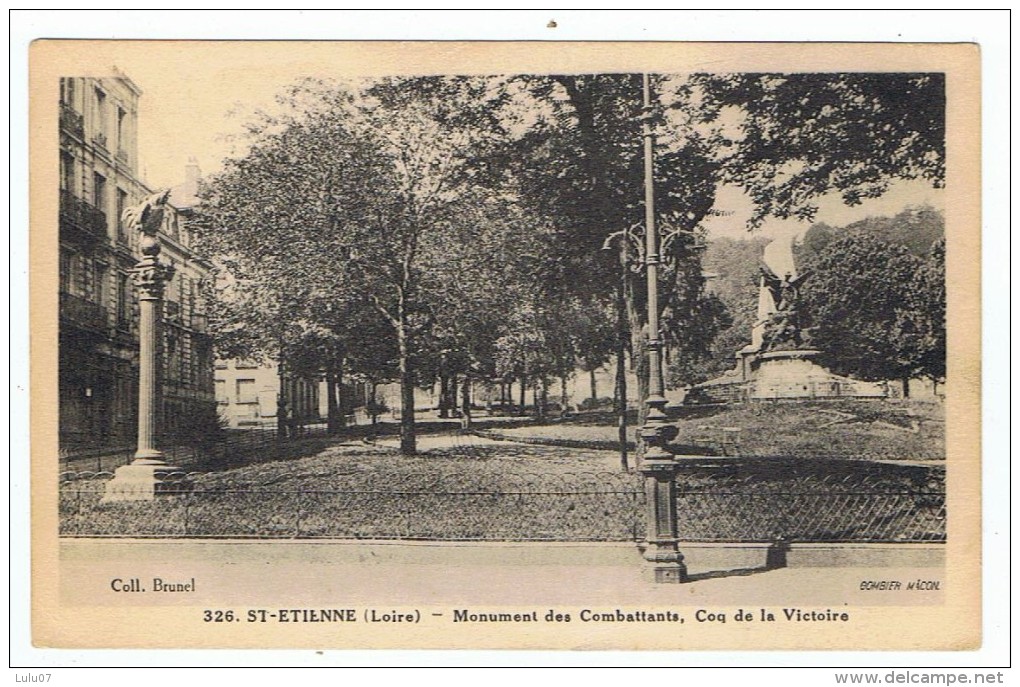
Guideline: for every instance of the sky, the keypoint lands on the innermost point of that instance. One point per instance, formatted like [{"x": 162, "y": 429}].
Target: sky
[
  {"x": 192, "y": 108},
  {"x": 195, "y": 99}
]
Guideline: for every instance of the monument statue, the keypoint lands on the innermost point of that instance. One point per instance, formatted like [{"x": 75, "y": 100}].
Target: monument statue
[
  {"x": 147, "y": 218},
  {"x": 779, "y": 361},
  {"x": 784, "y": 327}
]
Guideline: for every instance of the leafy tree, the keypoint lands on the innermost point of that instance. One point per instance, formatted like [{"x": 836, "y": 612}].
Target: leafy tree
[
  {"x": 929, "y": 302},
  {"x": 796, "y": 137},
  {"x": 734, "y": 266},
  {"x": 285, "y": 291},
  {"x": 919, "y": 329},
  {"x": 355, "y": 196},
  {"x": 580, "y": 164},
  {"x": 428, "y": 129},
  {"x": 861, "y": 300},
  {"x": 915, "y": 228},
  {"x": 691, "y": 318},
  {"x": 472, "y": 277}
]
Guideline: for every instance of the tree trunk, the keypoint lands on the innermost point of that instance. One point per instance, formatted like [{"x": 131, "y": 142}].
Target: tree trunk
[
  {"x": 539, "y": 397},
  {"x": 407, "y": 435},
  {"x": 341, "y": 401},
  {"x": 465, "y": 408},
  {"x": 444, "y": 395},
  {"x": 523, "y": 397},
  {"x": 620, "y": 391},
  {"x": 906, "y": 387},
  {"x": 332, "y": 416},
  {"x": 282, "y": 425},
  {"x": 639, "y": 361},
  {"x": 563, "y": 396},
  {"x": 594, "y": 388}
]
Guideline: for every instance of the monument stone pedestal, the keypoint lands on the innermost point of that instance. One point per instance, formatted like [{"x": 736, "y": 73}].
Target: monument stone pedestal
[
  {"x": 144, "y": 482},
  {"x": 792, "y": 374}
]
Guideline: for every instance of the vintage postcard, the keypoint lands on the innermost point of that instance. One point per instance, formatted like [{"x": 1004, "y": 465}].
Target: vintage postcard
[{"x": 412, "y": 345}]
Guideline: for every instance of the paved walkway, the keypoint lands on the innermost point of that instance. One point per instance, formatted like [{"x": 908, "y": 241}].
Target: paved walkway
[
  {"x": 427, "y": 442},
  {"x": 486, "y": 574}
]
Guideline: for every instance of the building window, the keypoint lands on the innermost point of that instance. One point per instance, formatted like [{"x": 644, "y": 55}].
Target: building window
[
  {"x": 121, "y": 206},
  {"x": 246, "y": 365},
  {"x": 124, "y": 301},
  {"x": 99, "y": 191},
  {"x": 246, "y": 391},
  {"x": 221, "y": 392},
  {"x": 120, "y": 130},
  {"x": 99, "y": 284},
  {"x": 73, "y": 277},
  {"x": 67, "y": 172},
  {"x": 67, "y": 91},
  {"x": 100, "y": 118},
  {"x": 202, "y": 362}
]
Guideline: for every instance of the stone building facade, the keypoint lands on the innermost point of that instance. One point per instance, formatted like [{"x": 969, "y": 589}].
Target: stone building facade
[
  {"x": 98, "y": 347},
  {"x": 248, "y": 394}
]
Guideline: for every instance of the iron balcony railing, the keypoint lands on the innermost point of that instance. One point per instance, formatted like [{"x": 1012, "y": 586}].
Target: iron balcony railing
[
  {"x": 82, "y": 312},
  {"x": 77, "y": 214},
  {"x": 72, "y": 122}
]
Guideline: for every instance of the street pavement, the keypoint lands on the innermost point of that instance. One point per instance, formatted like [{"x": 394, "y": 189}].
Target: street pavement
[{"x": 494, "y": 574}]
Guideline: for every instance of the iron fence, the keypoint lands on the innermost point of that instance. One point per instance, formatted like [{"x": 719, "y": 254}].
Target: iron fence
[
  {"x": 521, "y": 507},
  {"x": 828, "y": 501},
  {"x": 230, "y": 447},
  {"x": 718, "y": 501}
]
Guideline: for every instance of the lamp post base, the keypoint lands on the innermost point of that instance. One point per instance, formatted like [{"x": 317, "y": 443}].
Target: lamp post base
[
  {"x": 661, "y": 550},
  {"x": 144, "y": 482},
  {"x": 666, "y": 574},
  {"x": 664, "y": 563}
]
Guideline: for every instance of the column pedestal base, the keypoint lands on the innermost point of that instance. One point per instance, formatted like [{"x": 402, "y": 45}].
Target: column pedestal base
[{"x": 142, "y": 482}]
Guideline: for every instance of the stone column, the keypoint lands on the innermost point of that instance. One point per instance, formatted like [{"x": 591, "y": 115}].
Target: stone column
[
  {"x": 148, "y": 474},
  {"x": 150, "y": 278},
  {"x": 658, "y": 466}
]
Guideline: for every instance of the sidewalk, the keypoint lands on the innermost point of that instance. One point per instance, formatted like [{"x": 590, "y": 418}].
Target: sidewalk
[{"x": 487, "y": 574}]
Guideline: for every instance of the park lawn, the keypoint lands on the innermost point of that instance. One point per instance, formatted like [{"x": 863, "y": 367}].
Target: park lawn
[
  {"x": 877, "y": 430},
  {"x": 512, "y": 492},
  {"x": 357, "y": 491}
]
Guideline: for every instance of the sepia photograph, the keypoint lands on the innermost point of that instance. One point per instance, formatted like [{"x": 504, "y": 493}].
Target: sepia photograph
[{"x": 349, "y": 345}]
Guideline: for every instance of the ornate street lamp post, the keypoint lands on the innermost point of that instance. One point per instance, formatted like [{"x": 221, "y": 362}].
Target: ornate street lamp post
[
  {"x": 146, "y": 475},
  {"x": 658, "y": 465}
]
